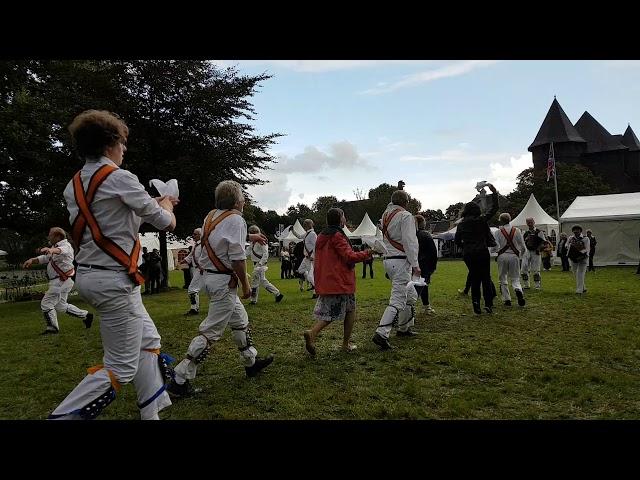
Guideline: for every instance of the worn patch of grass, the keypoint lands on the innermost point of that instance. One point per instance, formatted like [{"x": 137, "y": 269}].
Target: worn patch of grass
[{"x": 562, "y": 356}]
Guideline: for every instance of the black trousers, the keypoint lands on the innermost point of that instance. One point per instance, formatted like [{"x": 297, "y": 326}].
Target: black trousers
[
  {"x": 364, "y": 269},
  {"x": 479, "y": 265},
  {"x": 591, "y": 268},
  {"x": 423, "y": 292},
  {"x": 187, "y": 277},
  {"x": 546, "y": 263},
  {"x": 565, "y": 263}
]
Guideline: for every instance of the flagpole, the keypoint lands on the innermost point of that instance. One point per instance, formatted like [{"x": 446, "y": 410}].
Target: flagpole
[{"x": 555, "y": 182}]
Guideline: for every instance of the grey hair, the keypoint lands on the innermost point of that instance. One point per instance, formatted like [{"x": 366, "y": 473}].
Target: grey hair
[
  {"x": 400, "y": 197},
  {"x": 228, "y": 193},
  {"x": 505, "y": 217},
  {"x": 307, "y": 224},
  {"x": 254, "y": 229}
]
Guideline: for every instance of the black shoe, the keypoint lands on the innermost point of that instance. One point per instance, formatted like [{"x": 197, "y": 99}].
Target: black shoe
[
  {"x": 310, "y": 288},
  {"x": 279, "y": 297},
  {"x": 507, "y": 303},
  {"x": 520, "y": 296},
  {"x": 175, "y": 390},
  {"x": 259, "y": 364},
  {"x": 192, "y": 312},
  {"x": 476, "y": 307},
  {"x": 314, "y": 296},
  {"x": 382, "y": 342},
  {"x": 88, "y": 320},
  {"x": 50, "y": 332},
  {"x": 488, "y": 309},
  {"x": 408, "y": 333}
]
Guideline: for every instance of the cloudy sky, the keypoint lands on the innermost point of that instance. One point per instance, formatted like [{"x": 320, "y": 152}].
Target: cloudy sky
[{"x": 438, "y": 125}]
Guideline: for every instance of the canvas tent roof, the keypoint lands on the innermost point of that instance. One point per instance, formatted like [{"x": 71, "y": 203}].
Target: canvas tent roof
[
  {"x": 604, "y": 207},
  {"x": 298, "y": 230},
  {"x": 534, "y": 210},
  {"x": 365, "y": 229}
]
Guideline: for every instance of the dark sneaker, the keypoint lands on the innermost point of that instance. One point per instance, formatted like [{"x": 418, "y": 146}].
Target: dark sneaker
[
  {"x": 488, "y": 309},
  {"x": 314, "y": 296},
  {"x": 476, "y": 307},
  {"x": 88, "y": 320},
  {"x": 279, "y": 297},
  {"x": 192, "y": 312},
  {"x": 47, "y": 332},
  {"x": 259, "y": 364},
  {"x": 175, "y": 390},
  {"x": 382, "y": 342},
  {"x": 507, "y": 303},
  {"x": 521, "y": 300},
  {"x": 408, "y": 333}
]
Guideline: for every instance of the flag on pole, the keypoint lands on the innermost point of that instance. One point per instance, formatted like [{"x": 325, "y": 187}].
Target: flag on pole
[{"x": 551, "y": 163}]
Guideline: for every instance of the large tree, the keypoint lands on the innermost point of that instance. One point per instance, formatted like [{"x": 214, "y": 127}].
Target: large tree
[
  {"x": 188, "y": 120},
  {"x": 573, "y": 181}
]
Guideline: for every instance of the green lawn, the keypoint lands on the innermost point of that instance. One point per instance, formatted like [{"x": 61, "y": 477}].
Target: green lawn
[{"x": 562, "y": 356}]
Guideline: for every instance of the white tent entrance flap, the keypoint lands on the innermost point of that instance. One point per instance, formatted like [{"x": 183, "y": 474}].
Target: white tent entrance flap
[{"x": 614, "y": 221}]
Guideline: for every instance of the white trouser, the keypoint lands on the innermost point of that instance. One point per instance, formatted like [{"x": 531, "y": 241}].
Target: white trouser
[
  {"x": 259, "y": 279},
  {"x": 55, "y": 300},
  {"x": 126, "y": 331},
  {"x": 195, "y": 286},
  {"x": 306, "y": 268},
  {"x": 580, "y": 270},
  {"x": 531, "y": 266},
  {"x": 508, "y": 269},
  {"x": 224, "y": 308},
  {"x": 403, "y": 299}
]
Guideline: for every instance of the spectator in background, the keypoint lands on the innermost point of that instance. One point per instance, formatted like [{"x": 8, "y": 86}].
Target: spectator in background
[
  {"x": 144, "y": 269},
  {"x": 579, "y": 256},
  {"x": 155, "y": 271},
  {"x": 285, "y": 265},
  {"x": 186, "y": 272},
  {"x": 562, "y": 252},
  {"x": 592, "y": 250},
  {"x": 366, "y": 262},
  {"x": 427, "y": 261},
  {"x": 545, "y": 253}
]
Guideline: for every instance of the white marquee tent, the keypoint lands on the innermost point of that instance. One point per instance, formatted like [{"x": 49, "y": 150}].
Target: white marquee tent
[
  {"x": 544, "y": 221},
  {"x": 615, "y": 222},
  {"x": 365, "y": 229}
]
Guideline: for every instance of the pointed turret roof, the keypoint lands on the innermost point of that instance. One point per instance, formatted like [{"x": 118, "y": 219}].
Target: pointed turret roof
[
  {"x": 630, "y": 140},
  {"x": 597, "y": 137},
  {"x": 556, "y": 127}
]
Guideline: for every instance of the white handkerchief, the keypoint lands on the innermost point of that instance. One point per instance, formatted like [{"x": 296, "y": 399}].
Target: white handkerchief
[
  {"x": 375, "y": 244},
  {"x": 170, "y": 188}
]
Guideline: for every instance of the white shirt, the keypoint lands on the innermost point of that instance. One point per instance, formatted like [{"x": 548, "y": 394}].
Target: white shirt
[
  {"x": 227, "y": 240},
  {"x": 64, "y": 259},
  {"x": 310, "y": 243},
  {"x": 259, "y": 253},
  {"x": 518, "y": 240},
  {"x": 193, "y": 259},
  {"x": 120, "y": 205},
  {"x": 402, "y": 229}
]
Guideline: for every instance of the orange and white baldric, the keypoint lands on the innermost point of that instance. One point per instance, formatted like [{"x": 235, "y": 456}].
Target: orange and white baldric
[
  {"x": 386, "y": 220},
  {"x": 86, "y": 218}
]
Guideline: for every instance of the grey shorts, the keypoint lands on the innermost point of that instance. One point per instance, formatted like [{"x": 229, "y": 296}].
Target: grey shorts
[{"x": 334, "y": 307}]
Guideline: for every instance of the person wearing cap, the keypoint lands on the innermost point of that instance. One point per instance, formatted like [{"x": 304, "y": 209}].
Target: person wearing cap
[
  {"x": 60, "y": 270},
  {"x": 578, "y": 246},
  {"x": 400, "y": 263},
  {"x": 510, "y": 246}
]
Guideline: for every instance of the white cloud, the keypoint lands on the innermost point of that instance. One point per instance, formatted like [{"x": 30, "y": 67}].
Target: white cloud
[
  {"x": 504, "y": 176},
  {"x": 341, "y": 155},
  {"x": 450, "y": 70},
  {"x": 317, "y": 66},
  {"x": 273, "y": 195},
  {"x": 454, "y": 155}
]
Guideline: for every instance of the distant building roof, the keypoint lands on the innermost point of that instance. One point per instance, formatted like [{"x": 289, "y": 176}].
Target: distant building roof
[
  {"x": 630, "y": 140},
  {"x": 597, "y": 137},
  {"x": 556, "y": 127}
]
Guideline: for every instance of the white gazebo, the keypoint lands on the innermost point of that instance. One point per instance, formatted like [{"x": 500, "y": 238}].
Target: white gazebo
[
  {"x": 365, "y": 229},
  {"x": 544, "y": 221}
]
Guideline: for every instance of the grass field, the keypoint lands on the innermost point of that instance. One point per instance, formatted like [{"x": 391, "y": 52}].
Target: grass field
[{"x": 562, "y": 356}]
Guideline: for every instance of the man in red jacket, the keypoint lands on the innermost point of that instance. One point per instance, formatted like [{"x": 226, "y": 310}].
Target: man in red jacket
[{"x": 335, "y": 280}]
